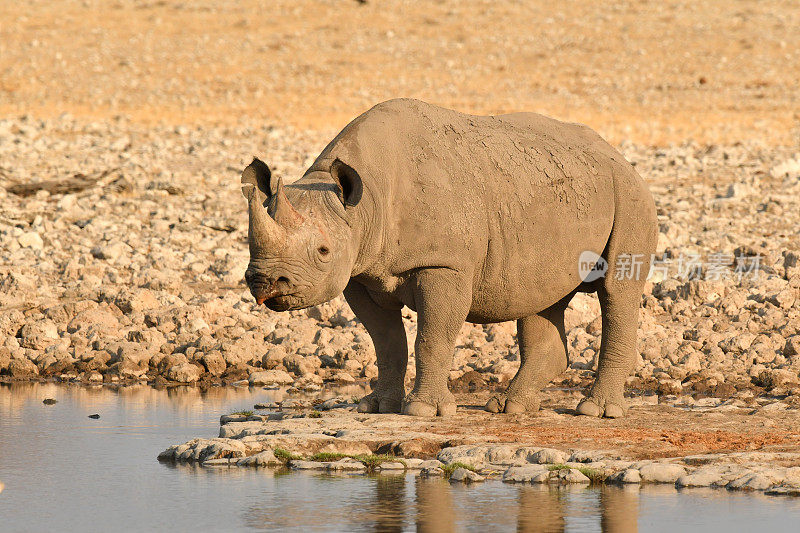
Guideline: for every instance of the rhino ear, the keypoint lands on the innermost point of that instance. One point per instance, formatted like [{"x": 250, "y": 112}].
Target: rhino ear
[
  {"x": 348, "y": 181},
  {"x": 259, "y": 176}
]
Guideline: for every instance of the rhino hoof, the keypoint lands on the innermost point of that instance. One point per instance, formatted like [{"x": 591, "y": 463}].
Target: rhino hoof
[
  {"x": 419, "y": 409},
  {"x": 494, "y": 405},
  {"x": 501, "y": 404},
  {"x": 390, "y": 405},
  {"x": 614, "y": 411},
  {"x": 367, "y": 405},
  {"x": 513, "y": 407},
  {"x": 589, "y": 407},
  {"x": 372, "y": 403},
  {"x": 446, "y": 409}
]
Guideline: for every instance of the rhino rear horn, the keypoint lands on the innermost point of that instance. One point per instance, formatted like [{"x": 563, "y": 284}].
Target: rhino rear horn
[{"x": 282, "y": 210}]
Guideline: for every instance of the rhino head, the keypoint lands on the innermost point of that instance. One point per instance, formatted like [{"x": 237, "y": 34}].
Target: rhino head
[{"x": 301, "y": 250}]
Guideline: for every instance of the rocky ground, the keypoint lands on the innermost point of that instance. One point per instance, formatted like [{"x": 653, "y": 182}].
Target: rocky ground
[
  {"x": 654, "y": 444},
  {"x": 125, "y": 249}
]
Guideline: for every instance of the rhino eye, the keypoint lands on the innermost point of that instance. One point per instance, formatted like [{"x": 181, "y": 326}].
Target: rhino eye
[{"x": 323, "y": 250}]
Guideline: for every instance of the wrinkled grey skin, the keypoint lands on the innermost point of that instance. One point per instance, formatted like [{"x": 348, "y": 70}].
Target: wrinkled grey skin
[{"x": 460, "y": 218}]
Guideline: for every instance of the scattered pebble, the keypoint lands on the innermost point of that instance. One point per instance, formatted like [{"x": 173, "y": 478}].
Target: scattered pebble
[
  {"x": 116, "y": 300},
  {"x": 462, "y": 475}
]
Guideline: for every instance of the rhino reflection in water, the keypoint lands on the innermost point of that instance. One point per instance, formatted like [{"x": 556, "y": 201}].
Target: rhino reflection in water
[{"x": 458, "y": 217}]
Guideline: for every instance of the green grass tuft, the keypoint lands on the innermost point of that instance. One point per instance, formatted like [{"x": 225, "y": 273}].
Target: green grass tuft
[
  {"x": 242, "y": 413},
  {"x": 315, "y": 414},
  {"x": 327, "y": 457},
  {"x": 285, "y": 455},
  {"x": 449, "y": 469},
  {"x": 372, "y": 460},
  {"x": 595, "y": 476}
]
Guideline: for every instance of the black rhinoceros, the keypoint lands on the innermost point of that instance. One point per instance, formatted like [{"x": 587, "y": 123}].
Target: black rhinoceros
[{"x": 461, "y": 218}]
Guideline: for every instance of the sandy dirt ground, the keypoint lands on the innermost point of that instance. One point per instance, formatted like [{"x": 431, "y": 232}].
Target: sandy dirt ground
[
  {"x": 648, "y": 71},
  {"x": 144, "y": 114}
]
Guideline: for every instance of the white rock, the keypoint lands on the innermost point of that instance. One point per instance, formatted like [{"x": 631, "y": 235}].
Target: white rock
[
  {"x": 346, "y": 464},
  {"x": 629, "y": 475},
  {"x": 298, "y": 464},
  {"x": 236, "y": 430},
  {"x": 111, "y": 252},
  {"x": 474, "y": 456},
  {"x": 31, "y": 240},
  {"x": 754, "y": 481},
  {"x": 788, "y": 169},
  {"x": 774, "y": 407},
  {"x": 500, "y": 455},
  {"x": 184, "y": 373},
  {"x": 462, "y": 475},
  {"x": 572, "y": 475},
  {"x": 428, "y": 463},
  {"x": 391, "y": 465},
  {"x": 525, "y": 474},
  {"x": 586, "y": 456},
  {"x": 265, "y": 458},
  {"x": 431, "y": 471},
  {"x": 544, "y": 477},
  {"x": 738, "y": 190},
  {"x": 196, "y": 325},
  {"x": 200, "y": 450},
  {"x": 270, "y": 377},
  {"x": 548, "y": 456},
  {"x": 661, "y": 472},
  {"x": 222, "y": 461},
  {"x": 343, "y": 378},
  {"x": 783, "y": 490},
  {"x": 700, "y": 478}
]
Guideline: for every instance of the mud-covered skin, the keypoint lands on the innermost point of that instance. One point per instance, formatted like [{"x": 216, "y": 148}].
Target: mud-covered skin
[{"x": 459, "y": 217}]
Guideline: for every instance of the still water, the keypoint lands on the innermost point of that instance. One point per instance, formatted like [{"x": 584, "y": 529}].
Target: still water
[{"x": 63, "y": 471}]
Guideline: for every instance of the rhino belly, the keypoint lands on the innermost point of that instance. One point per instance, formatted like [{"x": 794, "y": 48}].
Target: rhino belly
[{"x": 532, "y": 261}]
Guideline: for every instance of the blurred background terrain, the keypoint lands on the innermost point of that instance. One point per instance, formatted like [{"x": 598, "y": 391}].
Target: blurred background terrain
[{"x": 647, "y": 71}]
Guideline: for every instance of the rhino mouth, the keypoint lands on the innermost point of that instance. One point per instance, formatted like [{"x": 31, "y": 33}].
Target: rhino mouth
[{"x": 284, "y": 302}]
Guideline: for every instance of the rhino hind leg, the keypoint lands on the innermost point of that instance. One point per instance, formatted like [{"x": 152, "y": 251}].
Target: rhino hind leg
[
  {"x": 385, "y": 327},
  {"x": 620, "y": 311},
  {"x": 628, "y": 253},
  {"x": 543, "y": 356}
]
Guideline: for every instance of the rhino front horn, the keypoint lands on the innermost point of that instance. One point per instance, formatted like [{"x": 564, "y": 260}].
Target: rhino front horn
[
  {"x": 281, "y": 210},
  {"x": 262, "y": 231}
]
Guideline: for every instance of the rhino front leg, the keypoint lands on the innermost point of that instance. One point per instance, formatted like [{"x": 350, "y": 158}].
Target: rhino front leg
[
  {"x": 385, "y": 327},
  {"x": 543, "y": 356},
  {"x": 442, "y": 297}
]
